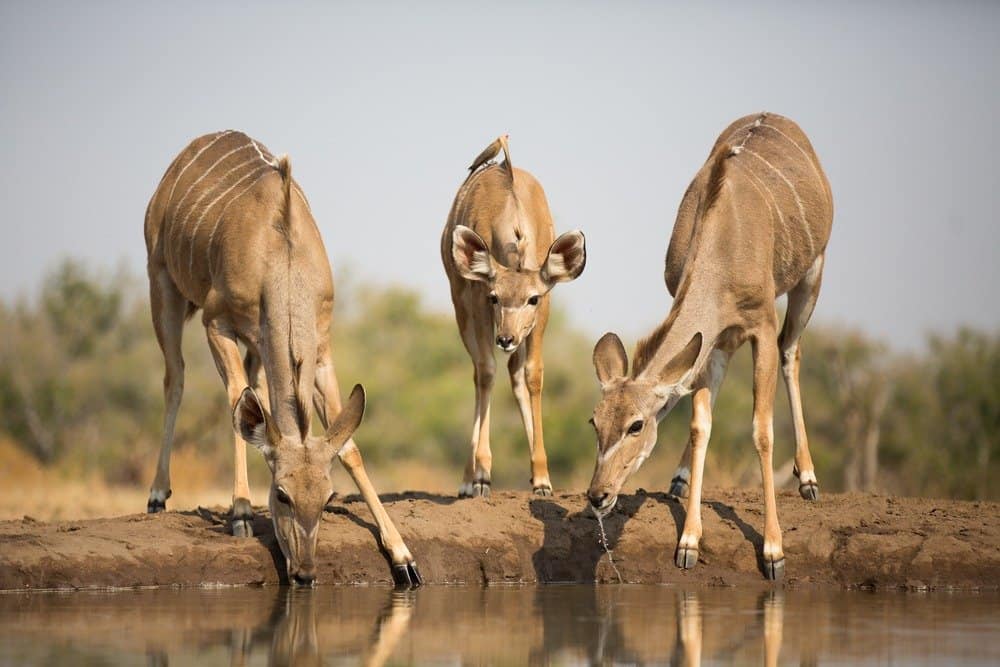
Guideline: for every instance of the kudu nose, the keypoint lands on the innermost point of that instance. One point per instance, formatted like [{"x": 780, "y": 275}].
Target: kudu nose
[
  {"x": 597, "y": 499},
  {"x": 303, "y": 579},
  {"x": 505, "y": 342}
]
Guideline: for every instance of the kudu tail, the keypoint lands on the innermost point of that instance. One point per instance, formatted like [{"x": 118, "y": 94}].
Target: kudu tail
[{"x": 284, "y": 166}]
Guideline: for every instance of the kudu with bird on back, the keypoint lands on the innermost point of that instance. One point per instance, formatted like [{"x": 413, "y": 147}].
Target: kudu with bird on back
[
  {"x": 229, "y": 231},
  {"x": 502, "y": 260},
  {"x": 752, "y": 226}
]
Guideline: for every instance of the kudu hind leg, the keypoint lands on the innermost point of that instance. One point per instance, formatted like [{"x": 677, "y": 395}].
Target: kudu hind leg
[
  {"x": 226, "y": 352},
  {"x": 328, "y": 405},
  {"x": 168, "y": 308},
  {"x": 801, "y": 302}
]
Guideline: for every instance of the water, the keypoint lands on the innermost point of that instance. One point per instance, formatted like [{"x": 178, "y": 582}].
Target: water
[{"x": 543, "y": 625}]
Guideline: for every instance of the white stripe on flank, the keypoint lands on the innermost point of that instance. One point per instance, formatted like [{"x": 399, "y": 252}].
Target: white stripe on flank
[
  {"x": 196, "y": 155},
  {"x": 754, "y": 180},
  {"x": 215, "y": 184},
  {"x": 264, "y": 171},
  {"x": 798, "y": 201},
  {"x": 806, "y": 155},
  {"x": 222, "y": 179},
  {"x": 205, "y": 173}
]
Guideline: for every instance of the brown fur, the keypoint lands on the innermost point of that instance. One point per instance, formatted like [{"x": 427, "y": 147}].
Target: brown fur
[
  {"x": 228, "y": 231},
  {"x": 752, "y": 226},
  {"x": 498, "y": 242}
]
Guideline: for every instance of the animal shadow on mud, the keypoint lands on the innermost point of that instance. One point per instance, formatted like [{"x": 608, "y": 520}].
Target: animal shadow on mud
[
  {"x": 263, "y": 532},
  {"x": 571, "y": 548},
  {"x": 728, "y": 513},
  {"x": 725, "y": 512}
]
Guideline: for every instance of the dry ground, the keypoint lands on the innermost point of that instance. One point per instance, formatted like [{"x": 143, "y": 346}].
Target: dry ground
[{"x": 843, "y": 540}]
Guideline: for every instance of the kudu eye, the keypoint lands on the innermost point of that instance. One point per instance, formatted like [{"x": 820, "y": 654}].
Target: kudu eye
[
  {"x": 282, "y": 497},
  {"x": 533, "y": 300},
  {"x": 494, "y": 299},
  {"x": 635, "y": 427}
]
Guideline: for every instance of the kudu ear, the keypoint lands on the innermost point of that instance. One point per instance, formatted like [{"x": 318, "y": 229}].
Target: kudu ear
[
  {"x": 566, "y": 259},
  {"x": 250, "y": 419},
  {"x": 347, "y": 421},
  {"x": 471, "y": 255},
  {"x": 678, "y": 367},
  {"x": 610, "y": 359}
]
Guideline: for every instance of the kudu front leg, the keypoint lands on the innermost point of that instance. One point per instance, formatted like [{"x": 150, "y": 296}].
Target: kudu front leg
[
  {"x": 477, "y": 477},
  {"x": 404, "y": 567},
  {"x": 535, "y": 378},
  {"x": 226, "y": 352},
  {"x": 701, "y": 429},
  {"x": 168, "y": 306},
  {"x": 765, "y": 379}
]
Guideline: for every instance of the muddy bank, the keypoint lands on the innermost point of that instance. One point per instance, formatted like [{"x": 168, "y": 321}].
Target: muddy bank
[{"x": 843, "y": 540}]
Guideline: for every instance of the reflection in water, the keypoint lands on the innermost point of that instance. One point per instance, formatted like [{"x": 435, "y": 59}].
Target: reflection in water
[{"x": 543, "y": 625}]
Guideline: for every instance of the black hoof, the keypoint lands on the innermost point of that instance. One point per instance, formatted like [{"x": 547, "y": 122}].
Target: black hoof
[
  {"x": 242, "y": 527},
  {"x": 481, "y": 489},
  {"x": 809, "y": 491},
  {"x": 407, "y": 575},
  {"x": 775, "y": 570},
  {"x": 679, "y": 488},
  {"x": 543, "y": 490},
  {"x": 155, "y": 505},
  {"x": 686, "y": 557}
]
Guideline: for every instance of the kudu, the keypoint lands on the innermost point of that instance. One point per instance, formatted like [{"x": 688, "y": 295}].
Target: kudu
[
  {"x": 502, "y": 262},
  {"x": 230, "y": 232},
  {"x": 753, "y": 225}
]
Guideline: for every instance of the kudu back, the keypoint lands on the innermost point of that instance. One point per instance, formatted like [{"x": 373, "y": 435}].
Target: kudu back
[
  {"x": 752, "y": 226},
  {"x": 502, "y": 259},
  {"x": 229, "y": 231}
]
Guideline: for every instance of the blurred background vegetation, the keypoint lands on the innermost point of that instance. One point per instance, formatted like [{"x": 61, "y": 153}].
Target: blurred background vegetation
[{"x": 81, "y": 403}]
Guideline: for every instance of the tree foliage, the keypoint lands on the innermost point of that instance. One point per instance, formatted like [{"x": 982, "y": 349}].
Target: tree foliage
[{"x": 81, "y": 389}]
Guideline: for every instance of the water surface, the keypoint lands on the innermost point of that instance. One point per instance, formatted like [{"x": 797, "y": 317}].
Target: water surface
[{"x": 530, "y": 625}]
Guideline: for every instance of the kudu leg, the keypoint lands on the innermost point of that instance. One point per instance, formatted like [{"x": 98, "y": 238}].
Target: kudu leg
[
  {"x": 701, "y": 429},
  {"x": 535, "y": 376},
  {"x": 765, "y": 380},
  {"x": 801, "y": 302},
  {"x": 168, "y": 307},
  {"x": 476, "y": 335},
  {"x": 226, "y": 352},
  {"x": 404, "y": 567},
  {"x": 681, "y": 482}
]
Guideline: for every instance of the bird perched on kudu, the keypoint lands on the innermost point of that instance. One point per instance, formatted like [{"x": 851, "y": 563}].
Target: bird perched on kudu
[{"x": 490, "y": 152}]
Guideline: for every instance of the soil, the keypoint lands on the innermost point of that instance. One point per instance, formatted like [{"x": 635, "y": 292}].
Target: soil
[{"x": 843, "y": 540}]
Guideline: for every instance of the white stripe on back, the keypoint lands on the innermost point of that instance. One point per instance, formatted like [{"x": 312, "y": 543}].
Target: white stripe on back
[
  {"x": 222, "y": 179},
  {"x": 196, "y": 155},
  {"x": 808, "y": 158},
  {"x": 264, "y": 171},
  {"x": 795, "y": 193}
]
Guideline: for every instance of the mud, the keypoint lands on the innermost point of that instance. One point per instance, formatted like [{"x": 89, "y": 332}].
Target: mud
[{"x": 849, "y": 540}]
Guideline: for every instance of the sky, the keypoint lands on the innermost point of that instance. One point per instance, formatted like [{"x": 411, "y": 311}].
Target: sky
[{"x": 612, "y": 106}]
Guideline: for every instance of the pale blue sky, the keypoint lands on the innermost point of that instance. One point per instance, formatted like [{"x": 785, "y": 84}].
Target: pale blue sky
[{"x": 613, "y": 106}]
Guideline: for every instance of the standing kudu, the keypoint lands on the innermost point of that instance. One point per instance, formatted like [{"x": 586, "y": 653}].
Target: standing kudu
[
  {"x": 502, "y": 262},
  {"x": 753, "y": 225},
  {"x": 229, "y": 231}
]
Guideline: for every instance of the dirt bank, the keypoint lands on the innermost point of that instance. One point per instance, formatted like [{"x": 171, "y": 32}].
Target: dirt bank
[{"x": 843, "y": 540}]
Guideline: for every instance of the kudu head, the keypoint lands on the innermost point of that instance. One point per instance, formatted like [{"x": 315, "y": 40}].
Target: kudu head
[
  {"x": 514, "y": 295},
  {"x": 626, "y": 417},
  {"x": 301, "y": 485}
]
